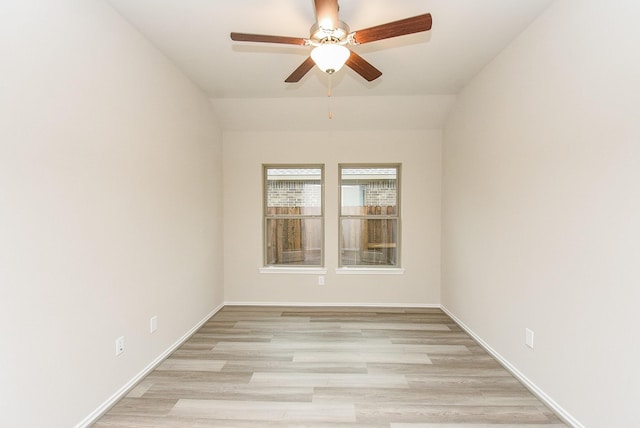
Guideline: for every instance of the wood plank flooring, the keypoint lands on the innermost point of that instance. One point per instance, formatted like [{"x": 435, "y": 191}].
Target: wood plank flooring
[{"x": 330, "y": 367}]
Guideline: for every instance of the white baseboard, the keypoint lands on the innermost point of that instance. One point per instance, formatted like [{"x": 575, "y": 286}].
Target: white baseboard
[
  {"x": 337, "y": 305},
  {"x": 104, "y": 407},
  {"x": 535, "y": 390}
]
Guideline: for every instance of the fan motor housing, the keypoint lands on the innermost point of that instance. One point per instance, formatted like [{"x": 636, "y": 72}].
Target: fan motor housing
[{"x": 319, "y": 34}]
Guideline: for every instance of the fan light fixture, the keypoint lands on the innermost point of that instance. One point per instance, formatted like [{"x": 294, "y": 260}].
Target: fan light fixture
[{"x": 330, "y": 57}]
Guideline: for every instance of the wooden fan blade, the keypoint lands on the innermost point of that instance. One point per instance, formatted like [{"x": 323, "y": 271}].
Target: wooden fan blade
[
  {"x": 327, "y": 13},
  {"x": 363, "y": 67},
  {"x": 412, "y": 25},
  {"x": 262, "y": 38},
  {"x": 301, "y": 71}
]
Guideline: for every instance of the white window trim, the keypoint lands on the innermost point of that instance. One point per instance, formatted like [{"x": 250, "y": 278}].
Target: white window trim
[
  {"x": 369, "y": 271},
  {"x": 284, "y": 268},
  {"x": 293, "y": 270},
  {"x": 360, "y": 269}
]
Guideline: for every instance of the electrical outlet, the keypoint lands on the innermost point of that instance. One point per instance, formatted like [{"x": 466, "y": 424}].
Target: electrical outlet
[
  {"x": 528, "y": 338},
  {"x": 120, "y": 345},
  {"x": 320, "y": 279},
  {"x": 153, "y": 324}
]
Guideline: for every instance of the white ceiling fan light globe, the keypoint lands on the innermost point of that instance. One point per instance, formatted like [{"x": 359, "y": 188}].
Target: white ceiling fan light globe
[{"x": 330, "y": 57}]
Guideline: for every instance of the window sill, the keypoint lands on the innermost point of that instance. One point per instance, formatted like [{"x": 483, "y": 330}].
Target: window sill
[
  {"x": 369, "y": 271},
  {"x": 294, "y": 270}
]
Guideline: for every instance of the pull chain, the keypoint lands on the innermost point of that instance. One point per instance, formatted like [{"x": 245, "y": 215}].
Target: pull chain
[{"x": 329, "y": 99}]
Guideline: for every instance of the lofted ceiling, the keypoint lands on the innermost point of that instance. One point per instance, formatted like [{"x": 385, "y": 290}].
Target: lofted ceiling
[{"x": 466, "y": 35}]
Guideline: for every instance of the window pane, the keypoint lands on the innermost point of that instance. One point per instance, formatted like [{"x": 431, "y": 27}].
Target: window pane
[
  {"x": 294, "y": 241},
  {"x": 369, "y": 242},
  {"x": 369, "y": 191},
  {"x": 294, "y": 191}
]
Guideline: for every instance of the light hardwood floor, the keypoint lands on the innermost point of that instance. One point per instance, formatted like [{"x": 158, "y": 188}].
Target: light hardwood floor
[{"x": 329, "y": 367}]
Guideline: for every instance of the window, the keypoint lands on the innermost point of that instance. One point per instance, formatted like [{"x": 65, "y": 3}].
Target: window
[
  {"x": 293, "y": 215},
  {"x": 369, "y": 215}
]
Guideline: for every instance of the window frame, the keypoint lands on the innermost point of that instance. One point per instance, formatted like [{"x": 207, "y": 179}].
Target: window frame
[
  {"x": 266, "y": 266},
  {"x": 397, "y": 217}
]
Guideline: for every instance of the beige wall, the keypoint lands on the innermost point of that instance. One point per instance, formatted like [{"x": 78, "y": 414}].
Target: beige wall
[
  {"x": 541, "y": 208},
  {"x": 420, "y": 155},
  {"x": 110, "y": 208}
]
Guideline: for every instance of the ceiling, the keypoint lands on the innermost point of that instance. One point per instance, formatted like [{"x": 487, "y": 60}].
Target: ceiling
[{"x": 194, "y": 34}]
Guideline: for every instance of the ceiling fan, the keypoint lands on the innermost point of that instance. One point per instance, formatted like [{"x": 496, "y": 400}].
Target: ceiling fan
[{"x": 329, "y": 37}]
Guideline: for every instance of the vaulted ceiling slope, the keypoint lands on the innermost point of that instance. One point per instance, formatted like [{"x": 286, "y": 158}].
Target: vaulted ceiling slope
[{"x": 194, "y": 34}]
